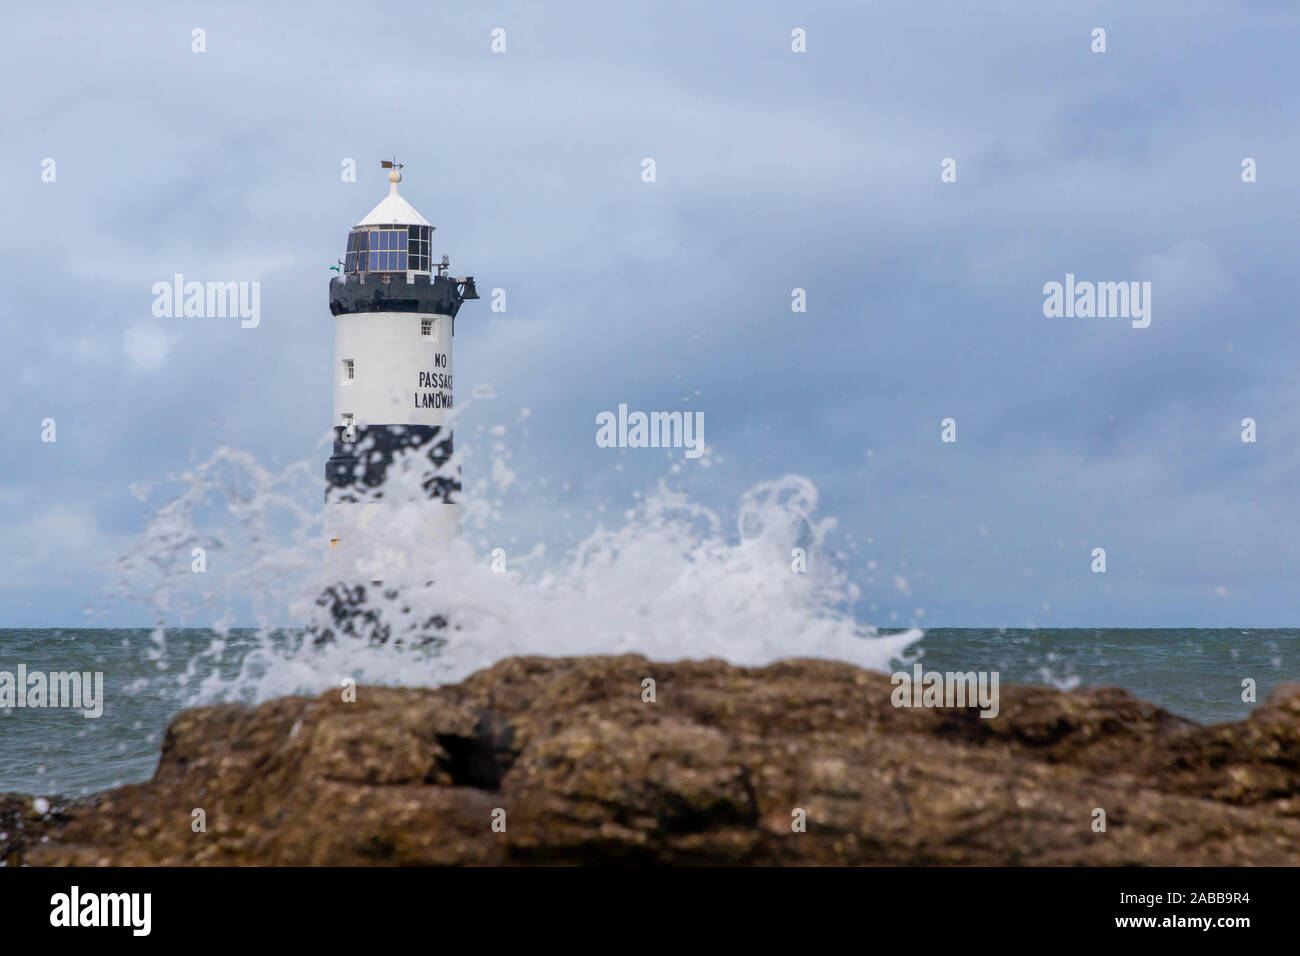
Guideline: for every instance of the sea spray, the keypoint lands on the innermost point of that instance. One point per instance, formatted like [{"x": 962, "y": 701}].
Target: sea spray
[{"x": 673, "y": 579}]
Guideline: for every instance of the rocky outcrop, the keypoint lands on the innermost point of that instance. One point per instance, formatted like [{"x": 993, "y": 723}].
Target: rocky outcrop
[{"x": 573, "y": 766}]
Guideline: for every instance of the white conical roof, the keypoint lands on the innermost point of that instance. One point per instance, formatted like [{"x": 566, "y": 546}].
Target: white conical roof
[{"x": 394, "y": 210}]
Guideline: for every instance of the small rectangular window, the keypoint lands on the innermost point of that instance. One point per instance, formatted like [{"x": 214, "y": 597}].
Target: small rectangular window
[
  {"x": 426, "y": 326},
  {"x": 349, "y": 371},
  {"x": 349, "y": 428}
]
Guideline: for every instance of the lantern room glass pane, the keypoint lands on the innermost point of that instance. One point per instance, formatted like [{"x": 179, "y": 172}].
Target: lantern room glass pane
[{"x": 388, "y": 249}]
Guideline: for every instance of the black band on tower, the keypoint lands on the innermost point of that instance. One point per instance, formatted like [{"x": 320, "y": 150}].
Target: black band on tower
[
  {"x": 364, "y": 462},
  {"x": 432, "y": 295}
]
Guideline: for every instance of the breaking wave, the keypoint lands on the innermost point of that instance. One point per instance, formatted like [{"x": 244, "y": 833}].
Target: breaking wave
[{"x": 672, "y": 579}]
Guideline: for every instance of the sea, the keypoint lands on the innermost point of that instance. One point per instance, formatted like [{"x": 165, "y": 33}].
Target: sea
[{"x": 148, "y": 678}]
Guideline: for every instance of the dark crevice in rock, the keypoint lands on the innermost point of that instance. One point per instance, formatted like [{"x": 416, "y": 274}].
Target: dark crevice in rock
[
  {"x": 377, "y": 849},
  {"x": 680, "y": 816},
  {"x": 751, "y": 795},
  {"x": 480, "y": 761}
]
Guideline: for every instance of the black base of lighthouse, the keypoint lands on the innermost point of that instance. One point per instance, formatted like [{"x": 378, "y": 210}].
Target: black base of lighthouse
[
  {"x": 375, "y": 615},
  {"x": 357, "y": 468}
]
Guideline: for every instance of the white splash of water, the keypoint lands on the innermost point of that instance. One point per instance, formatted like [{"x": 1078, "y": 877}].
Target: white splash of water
[{"x": 672, "y": 581}]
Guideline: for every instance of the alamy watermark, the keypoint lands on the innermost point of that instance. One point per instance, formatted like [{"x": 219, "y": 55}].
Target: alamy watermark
[
  {"x": 82, "y": 691},
  {"x": 208, "y": 300},
  {"x": 651, "y": 430},
  {"x": 933, "y": 689},
  {"x": 133, "y": 911},
  {"x": 1100, "y": 300}
]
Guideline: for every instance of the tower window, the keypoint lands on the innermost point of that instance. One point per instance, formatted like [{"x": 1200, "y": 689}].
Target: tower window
[
  {"x": 349, "y": 428},
  {"x": 388, "y": 249},
  {"x": 418, "y": 248},
  {"x": 349, "y": 371},
  {"x": 426, "y": 326}
]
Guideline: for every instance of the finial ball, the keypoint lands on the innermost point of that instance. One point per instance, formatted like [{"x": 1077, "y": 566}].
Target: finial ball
[{"x": 394, "y": 176}]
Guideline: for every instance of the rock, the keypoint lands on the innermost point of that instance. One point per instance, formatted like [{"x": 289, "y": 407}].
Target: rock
[{"x": 713, "y": 772}]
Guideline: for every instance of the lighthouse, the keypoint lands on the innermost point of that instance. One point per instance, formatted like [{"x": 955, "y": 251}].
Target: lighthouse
[{"x": 394, "y": 313}]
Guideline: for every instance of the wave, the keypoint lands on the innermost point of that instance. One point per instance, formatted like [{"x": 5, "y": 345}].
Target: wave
[{"x": 672, "y": 580}]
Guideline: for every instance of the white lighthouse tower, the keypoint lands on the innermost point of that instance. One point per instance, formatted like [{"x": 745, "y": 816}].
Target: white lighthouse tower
[{"x": 395, "y": 313}]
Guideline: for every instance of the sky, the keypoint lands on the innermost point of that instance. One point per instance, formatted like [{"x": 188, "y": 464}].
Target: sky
[{"x": 775, "y": 170}]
